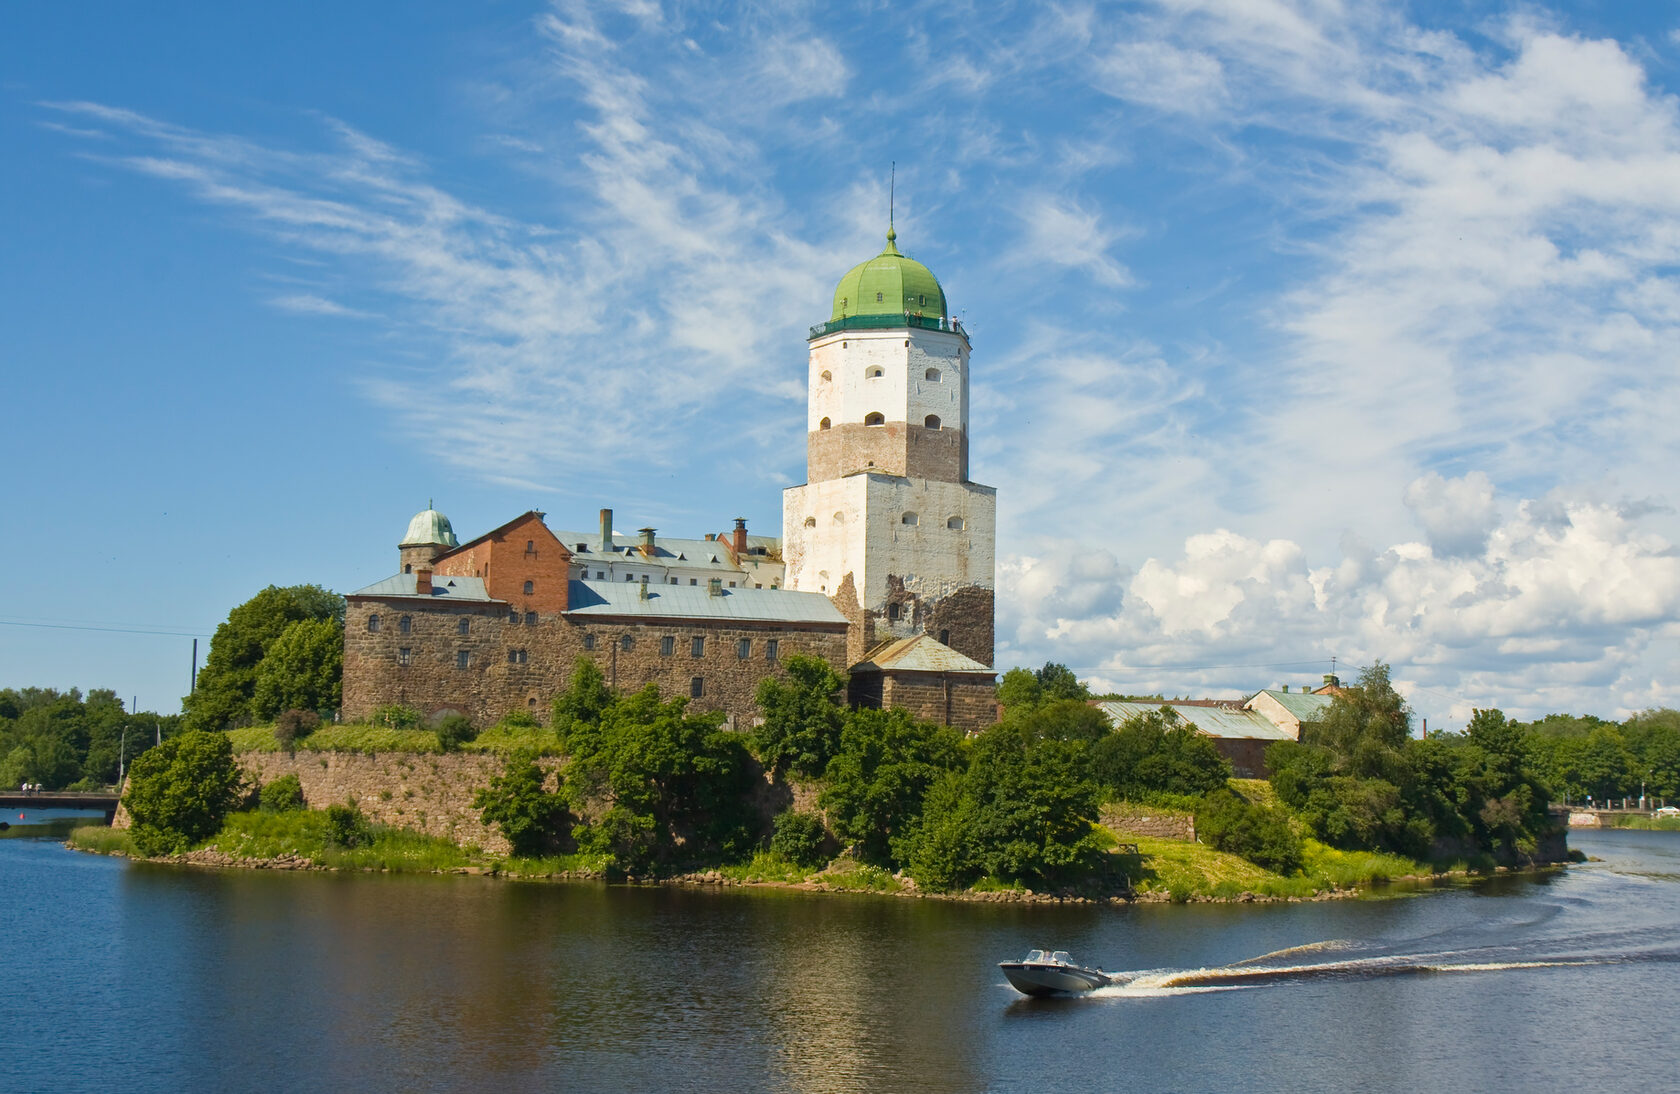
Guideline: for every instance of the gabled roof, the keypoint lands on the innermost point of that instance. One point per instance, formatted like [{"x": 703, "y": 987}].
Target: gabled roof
[
  {"x": 585, "y": 547},
  {"x": 921, "y": 653},
  {"x": 1213, "y": 721},
  {"x": 619, "y": 598},
  {"x": 1305, "y": 706},
  {"x": 443, "y": 587},
  {"x": 476, "y": 540}
]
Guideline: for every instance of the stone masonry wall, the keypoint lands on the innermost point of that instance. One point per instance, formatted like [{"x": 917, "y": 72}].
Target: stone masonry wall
[
  {"x": 966, "y": 702},
  {"x": 522, "y": 666},
  {"x": 894, "y": 448}
]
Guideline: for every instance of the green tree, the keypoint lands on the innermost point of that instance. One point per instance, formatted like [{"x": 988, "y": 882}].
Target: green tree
[
  {"x": 1228, "y": 822},
  {"x": 1025, "y": 689},
  {"x": 303, "y": 669},
  {"x": 283, "y": 795},
  {"x": 1157, "y": 753},
  {"x": 517, "y": 802},
  {"x": 1366, "y": 726},
  {"x": 886, "y": 763},
  {"x": 802, "y": 717},
  {"x": 227, "y": 684},
  {"x": 180, "y": 791},
  {"x": 798, "y": 837}
]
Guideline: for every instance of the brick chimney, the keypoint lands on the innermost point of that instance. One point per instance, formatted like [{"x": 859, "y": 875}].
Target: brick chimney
[
  {"x": 714, "y": 586},
  {"x": 647, "y": 541},
  {"x": 740, "y": 546},
  {"x": 606, "y": 530},
  {"x": 423, "y": 581}
]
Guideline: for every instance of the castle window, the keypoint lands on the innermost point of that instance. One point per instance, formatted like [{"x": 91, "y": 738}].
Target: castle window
[
  {"x": 405, "y": 624},
  {"x": 827, "y": 376},
  {"x": 810, "y": 522},
  {"x": 697, "y": 687},
  {"x": 373, "y": 624},
  {"x": 408, "y": 567},
  {"x": 530, "y": 619},
  {"x": 672, "y": 581},
  {"x": 694, "y": 581},
  {"x": 513, "y": 617},
  {"x": 627, "y": 643},
  {"x": 875, "y": 418},
  {"x": 667, "y": 645},
  {"x": 463, "y": 658},
  {"x": 403, "y": 656},
  {"x": 932, "y": 421},
  {"x": 588, "y": 641},
  {"x": 697, "y": 646},
  {"x": 516, "y": 657},
  {"x": 879, "y": 298},
  {"x": 824, "y": 424},
  {"x": 894, "y": 611},
  {"x": 530, "y": 546},
  {"x": 932, "y": 374},
  {"x": 944, "y": 638},
  {"x": 731, "y": 584},
  {"x": 530, "y": 587},
  {"x": 875, "y": 373},
  {"x": 770, "y": 645},
  {"x": 955, "y": 524},
  {"x": 839, "y": 518},
  {"x": 629, "y": 577},
  {"x": 743, "y": 649},
  {"x": 909, "y": 518},
  {"x": 600, "y": 575},
  {"x": 462, "y": 626}
]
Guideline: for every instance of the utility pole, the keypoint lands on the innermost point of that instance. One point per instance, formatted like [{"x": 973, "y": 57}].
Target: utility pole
[{"x": 192, "y": 684}]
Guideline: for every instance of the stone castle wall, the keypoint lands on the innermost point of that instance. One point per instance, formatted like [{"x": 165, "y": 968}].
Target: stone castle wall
[{"x": 521, "y": 666}]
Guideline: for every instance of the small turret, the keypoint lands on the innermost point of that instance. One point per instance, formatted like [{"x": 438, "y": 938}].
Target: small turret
[{"x": 429, "y": 535}]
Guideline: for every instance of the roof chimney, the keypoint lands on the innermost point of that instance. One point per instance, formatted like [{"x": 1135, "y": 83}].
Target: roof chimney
[
  {"x": 1331, "y": 680},
  {"x": 606, "y": 530},
  {"x": 423, "y": 581},
  {"x": 740, "y": 537},
  {"x": 644, "y": 592},
  {"x": 647, "y": 541},
  {"x": 714, "y": 586}
]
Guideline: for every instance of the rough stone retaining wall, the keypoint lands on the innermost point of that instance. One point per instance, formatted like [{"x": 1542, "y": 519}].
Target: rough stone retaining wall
[
  {"x": 428, "y": 793},
  {"x": 1140, "y": 820}
]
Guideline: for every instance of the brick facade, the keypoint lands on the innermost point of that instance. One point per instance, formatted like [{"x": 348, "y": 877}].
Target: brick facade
[
  {"x": 522, "y": 554},
  {"x": 892, "y": 448}
]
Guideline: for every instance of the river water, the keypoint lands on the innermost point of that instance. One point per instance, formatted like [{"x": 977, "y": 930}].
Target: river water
[{"x": 131, "y": 977}]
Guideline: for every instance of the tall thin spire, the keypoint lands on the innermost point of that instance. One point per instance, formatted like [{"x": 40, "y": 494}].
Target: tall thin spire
[{"x": 892, "y": 201}]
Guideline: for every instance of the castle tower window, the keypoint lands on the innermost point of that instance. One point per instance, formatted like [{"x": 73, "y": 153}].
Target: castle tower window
[
  {"x": 909, "y": 518},
  {"x": 955, "y": 524},
  {"x": 932, "y": 422},
  {"x": 810, "y": 522},
  {"x": 667, "y": 645},
  {"x": 405, "y": 624},
  {"x": 530, "y": 619},
  {"x": 627, "y": 643},
  {"x": 824, "y": 424},
  {"x": 530, "y": 587},
  {"x": 697, "y": 646},
  {"x": 743, "y": 649},
  {"x": 875, "y": 373},
  {"x": 932, "y": 374},
  {"x": 770, "y": 647},
  {"x": 403, "y": 656},
  {"x": 408, "y": 567},
  {"x": 373, "y": 623},
  {"x": 697, "y": 687},
  {"x": 875, "y": 418},
  {"x": 944, "y": 638},
  {"x": 894, "y": 612},
  {"x": 827, "y": 376},
  {"x": 462, "y": 626},
  {"x": 463, "y": 658},
  {"x": 879, "y": 298},
  {"x": 588, "y": 641}
]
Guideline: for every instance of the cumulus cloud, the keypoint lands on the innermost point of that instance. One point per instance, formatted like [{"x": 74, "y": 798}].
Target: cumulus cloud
[{"x": 1458, "y": 513}]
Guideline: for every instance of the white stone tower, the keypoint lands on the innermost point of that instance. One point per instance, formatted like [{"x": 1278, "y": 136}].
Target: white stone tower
[{"x": 888, "y": 523}]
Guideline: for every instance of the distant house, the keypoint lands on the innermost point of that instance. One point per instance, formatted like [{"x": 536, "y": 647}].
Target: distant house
[
  {"x": 1289, "y": 709},
  {"x": 1242, "y": 729}
]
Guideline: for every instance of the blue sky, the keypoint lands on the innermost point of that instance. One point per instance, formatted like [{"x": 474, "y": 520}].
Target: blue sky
[{"x": 1300, "y": 330}]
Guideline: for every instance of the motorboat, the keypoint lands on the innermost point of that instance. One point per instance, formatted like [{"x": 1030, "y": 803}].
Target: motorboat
[{"x": 1052, "y": 972}]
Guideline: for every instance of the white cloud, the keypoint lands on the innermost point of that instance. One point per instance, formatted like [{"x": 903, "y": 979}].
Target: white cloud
[
  {"x": 1161, "y": 75},
  {"x": 1061, "y": 232}
]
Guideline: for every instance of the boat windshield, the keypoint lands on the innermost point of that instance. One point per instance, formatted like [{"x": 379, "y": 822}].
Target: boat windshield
[
  {"x": 1061, "y": 957},
  {"x": 1035, "y": 955}
]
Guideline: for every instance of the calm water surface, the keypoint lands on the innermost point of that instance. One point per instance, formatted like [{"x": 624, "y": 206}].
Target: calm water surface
[{"x": 130, "y": 977}]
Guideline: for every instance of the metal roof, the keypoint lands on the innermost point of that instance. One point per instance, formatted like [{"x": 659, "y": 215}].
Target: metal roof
[
  {"x": 443, "y": 586},
  {"x": 889, "y": 284},
  {"x": 1304, "y": 705},
  {"x": 920, "y": 653},
  {"x": 702, "y": 553},
  {"x": 587, "y": 598},
  {"x": 1214, "y": 721}
]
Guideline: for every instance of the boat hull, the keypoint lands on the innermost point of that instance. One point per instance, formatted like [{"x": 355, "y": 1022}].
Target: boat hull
[{"x": 1040, "y": 979}]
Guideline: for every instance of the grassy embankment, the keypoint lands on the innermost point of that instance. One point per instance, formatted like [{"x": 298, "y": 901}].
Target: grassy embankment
[
  {"x": 498, "y": 739},
  {"x": 1646, "y": 824}
]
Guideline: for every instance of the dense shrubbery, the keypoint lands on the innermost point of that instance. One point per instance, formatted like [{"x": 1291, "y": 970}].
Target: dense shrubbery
[
  {"x": 1261, "y": 834},
  {"x": 529, "y": 815},
  {"x": 798, "y": 837},
  {"x": 293, "y": 724},
  {"x": 282, "y": 795},
  {"x": 179, "y": 792},
  {"x": 875, "y": 784},
  {"x": 454, "y": 731},
  {"x": 802, "y": 720},
  {"x": 347, "y": 827},
  {"x": 396, "y": 716},
  {"x": 66, "y": 739},
  {"x": 1154, "y": 754}
]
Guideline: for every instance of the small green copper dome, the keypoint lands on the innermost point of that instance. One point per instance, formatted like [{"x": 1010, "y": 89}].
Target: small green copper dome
[
  {"x": 889, "y": 284},
  {"x": 429, "y": 527}
]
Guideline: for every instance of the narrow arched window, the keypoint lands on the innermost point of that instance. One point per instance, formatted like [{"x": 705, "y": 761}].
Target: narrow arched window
[
  {"x": 530, "y": 587},
  {"x": 373, "y": 624},
  {"x": 875, "y": 418},
  {"x": 405, "y": 624},
  {"x": 874, "y": 374},
  {"x": 810, "y": 522},
  {"x": 827, "y": 375},
  {"x": 955, "y": 524},
  {"x": 839, "y": 518},
  {"x": 932, "y": 421},
  {"x": 823, "y": 424},
  {"x": 909, "y": 518},
  {"x": 932, "y": 374}
]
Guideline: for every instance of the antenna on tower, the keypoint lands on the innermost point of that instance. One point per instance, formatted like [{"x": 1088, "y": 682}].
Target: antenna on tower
[{"x": 892, "y": 195}]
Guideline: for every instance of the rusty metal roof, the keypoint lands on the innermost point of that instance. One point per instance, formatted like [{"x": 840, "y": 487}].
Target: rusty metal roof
[
  {"x": 1213, "y": 721},
  {"x": 921, "y": 653}
]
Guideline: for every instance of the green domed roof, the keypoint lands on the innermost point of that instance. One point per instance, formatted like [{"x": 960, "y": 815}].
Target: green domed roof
[
  {"x": 889, "y": 284},
  {"x": 429, "y": 527}
]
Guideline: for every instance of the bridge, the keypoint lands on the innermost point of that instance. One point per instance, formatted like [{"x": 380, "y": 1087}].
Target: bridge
[{"x": 62, "y": 799}]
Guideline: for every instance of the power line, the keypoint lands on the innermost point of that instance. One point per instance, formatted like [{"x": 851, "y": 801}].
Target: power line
[
  {"x": 1202, "y": 665},
  {"x": 103, "y": 630}
]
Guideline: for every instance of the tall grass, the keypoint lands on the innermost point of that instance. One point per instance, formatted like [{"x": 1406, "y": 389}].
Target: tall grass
[{"x": 101, "y": 839}]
